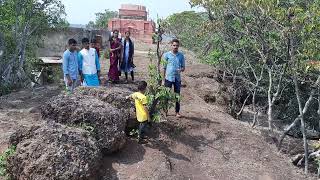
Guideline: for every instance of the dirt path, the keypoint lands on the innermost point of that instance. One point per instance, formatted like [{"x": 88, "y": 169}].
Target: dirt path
[{"x": 205, "y": 144}]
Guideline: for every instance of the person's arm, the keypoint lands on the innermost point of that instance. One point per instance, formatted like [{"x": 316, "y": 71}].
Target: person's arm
[
  {"x": 183, "y": 63},
  {"x": 130, "y": 96},
  {"x": 97, "y": 61},
  {"x": 65, "y": 64},
  {"x": 80, "y": 63},
  {"x": 117, "y": 48},
  {"x": 132, "y": 52}
]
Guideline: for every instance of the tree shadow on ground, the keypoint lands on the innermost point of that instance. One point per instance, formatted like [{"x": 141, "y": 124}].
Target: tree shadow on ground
[
  {"x": 201, "y": 120},
  {"x": 178, "y": 132}
]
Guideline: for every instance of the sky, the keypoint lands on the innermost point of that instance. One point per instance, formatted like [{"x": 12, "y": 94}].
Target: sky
[{"x": 83, "y": 11}]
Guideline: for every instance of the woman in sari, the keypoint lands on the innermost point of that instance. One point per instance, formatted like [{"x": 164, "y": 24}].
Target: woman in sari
[
  {"x": 127, "y": 65},
  {"x": 115, "y": 55}
]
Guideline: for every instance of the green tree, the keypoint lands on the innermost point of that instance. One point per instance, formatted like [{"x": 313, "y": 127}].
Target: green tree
[
  {"x": 187, "y": 26},
  {"x": 102, "y": 19},
  {"x": 268, "y": 47},
  {"x": 22, "y": 23}
]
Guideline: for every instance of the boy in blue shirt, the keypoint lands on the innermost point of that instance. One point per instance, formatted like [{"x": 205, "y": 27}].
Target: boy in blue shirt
[
  {"x": 70, "y": 65},
  {"x": 175, "y": 64}
]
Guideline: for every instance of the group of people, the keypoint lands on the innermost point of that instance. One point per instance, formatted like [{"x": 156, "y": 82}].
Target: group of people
[{"x": 85, "y": 66}]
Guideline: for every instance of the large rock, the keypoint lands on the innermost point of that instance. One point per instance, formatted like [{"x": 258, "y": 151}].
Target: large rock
[
  {"x": 115, "y": 96},
  {"x": 106, "y": 122},
  {"x": 54, "y": 151}
]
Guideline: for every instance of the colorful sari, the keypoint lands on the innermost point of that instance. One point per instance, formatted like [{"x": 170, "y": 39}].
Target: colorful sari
[{"x": 114, "y": 60}]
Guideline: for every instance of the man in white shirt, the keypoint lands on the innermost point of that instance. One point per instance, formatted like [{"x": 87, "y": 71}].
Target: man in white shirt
[{"x": 89, "y": 65}]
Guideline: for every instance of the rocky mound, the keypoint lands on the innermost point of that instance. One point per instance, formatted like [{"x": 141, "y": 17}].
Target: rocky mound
[
  {"x": 116, "y": 97},
  {"x": 53, "y": 150},
  {"x": 106, "y": 123}
]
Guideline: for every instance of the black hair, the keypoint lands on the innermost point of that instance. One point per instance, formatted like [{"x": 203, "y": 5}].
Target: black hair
[
  {"x": 116, "y": 30},
  {"x": 93, "y": 41},
  {"x": 128, "y": 32},
  {"x": 142, "y": 85},
  {"x": 175, "y": 40},
  {"x": 85, "y": 40},
  {"x": 72, "y": 41}
]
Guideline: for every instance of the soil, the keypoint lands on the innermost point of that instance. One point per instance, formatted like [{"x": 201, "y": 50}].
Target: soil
[{"x": 205, "y": 144}]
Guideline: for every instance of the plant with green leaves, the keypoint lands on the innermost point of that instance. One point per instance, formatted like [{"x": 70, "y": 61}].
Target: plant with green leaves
[
  {"x": 3, "y": 161},
  {"x": 188, "y": 27},
  {"x": 22, "y": 24},
  {"x": 102, "y": 19},
  {"x": 160, "y": 98},
  {"x": 270, "y": 46}
]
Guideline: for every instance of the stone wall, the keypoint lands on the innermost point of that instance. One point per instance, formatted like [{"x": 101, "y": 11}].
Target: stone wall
[{"x": 55, "y": 42}]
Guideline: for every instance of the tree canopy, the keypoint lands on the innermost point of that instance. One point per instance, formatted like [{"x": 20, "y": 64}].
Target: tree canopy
[
  {"x": 102, "y": 19},
  {"x": 22, "y": 23}
]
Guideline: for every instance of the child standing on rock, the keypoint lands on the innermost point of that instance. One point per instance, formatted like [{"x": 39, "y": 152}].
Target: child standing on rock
[{"x": 141, "y": 108}]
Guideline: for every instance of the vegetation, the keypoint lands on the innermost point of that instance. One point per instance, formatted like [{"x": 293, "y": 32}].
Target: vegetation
[
  {"x": 160, "y": 98},
  {"x": 3, "y": 160},
  {"x": 267, "y": 51},
  {"x": 102, "y": 19},
  {"x": 188, "y": 27},
  {"x": 22, "y": 24}
]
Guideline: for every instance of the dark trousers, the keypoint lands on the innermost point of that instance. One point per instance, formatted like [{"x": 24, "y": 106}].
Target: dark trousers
[
  {"x": 177, "y": 87},
  {"x": 132, "y": 75},
  {"x": 142, "y": 127}
]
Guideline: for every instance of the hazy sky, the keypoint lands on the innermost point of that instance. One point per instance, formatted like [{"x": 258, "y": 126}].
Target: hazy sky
[{"x": 83, "y": 11}]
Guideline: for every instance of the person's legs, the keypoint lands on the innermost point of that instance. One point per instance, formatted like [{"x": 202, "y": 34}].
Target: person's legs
[
  {"x": 69, "y": 88},
  {"x": 168, "y": 84},
  {"x": 74, "y": 85},
  {"x": 177, "y": 89},
  {"x": 132, "y": 75},
  {"x": 126, "y": 74},
  {"x": 142, "y": 127},
  {"x": 91, "y": 80}
]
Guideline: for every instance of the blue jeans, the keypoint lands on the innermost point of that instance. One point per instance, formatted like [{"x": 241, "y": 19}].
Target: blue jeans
[{"x": 177, "y": 87}]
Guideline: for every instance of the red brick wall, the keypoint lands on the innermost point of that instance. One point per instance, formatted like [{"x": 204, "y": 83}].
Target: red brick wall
[{"x": 125, "y": 12}]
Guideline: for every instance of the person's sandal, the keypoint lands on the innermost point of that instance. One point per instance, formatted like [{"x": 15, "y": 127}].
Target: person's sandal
[{"x": 178, "y": 115}]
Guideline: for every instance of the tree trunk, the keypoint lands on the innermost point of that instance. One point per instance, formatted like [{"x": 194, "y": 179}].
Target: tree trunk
[
  {"x": 234, "y": 95},
  {"x": 319, "y": 108},
  {"x": 305, "y": 145},
  {"x": 305, "y": 108},
  {"x": 159, "y": 54},
  {"x": 303, "y": 130},
  {"x": 286, "y": 130},
  {"x": 255, "y": 115},
  {"x": 270, "y": 104},
  {"x": 242, "y": 107}
]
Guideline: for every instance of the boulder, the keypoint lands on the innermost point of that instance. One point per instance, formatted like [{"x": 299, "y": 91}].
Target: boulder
[
  {"x": 115, "y": 96},
  {"x": 53, "y": 151},
  {"x": 105, "y": 122}
]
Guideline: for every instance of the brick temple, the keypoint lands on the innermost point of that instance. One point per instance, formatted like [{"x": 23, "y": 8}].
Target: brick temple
[{"x": 133, "y": 18}]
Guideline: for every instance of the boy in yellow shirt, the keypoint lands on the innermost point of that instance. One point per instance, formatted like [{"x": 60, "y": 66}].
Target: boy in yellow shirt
[{"x": 141, "y": 107}]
